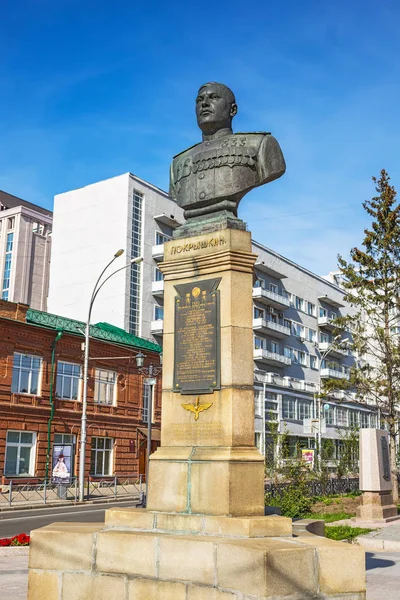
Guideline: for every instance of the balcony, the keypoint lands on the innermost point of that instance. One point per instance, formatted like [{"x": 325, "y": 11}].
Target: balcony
[
  {"x": 290, "y": 382},
  {"x": 334, "y": 374},
  {"x": 271, "y": 358},
  {"x": 274, "y": 329},
  {"x": 340, "y": 352},
  {"x": 157, "y": 327},
  {"x": 327, "y": 323},
  {"x": 270, "y": 298},
  {"x": 157, "y": 288},
  {"x": 157, "y": 252}
]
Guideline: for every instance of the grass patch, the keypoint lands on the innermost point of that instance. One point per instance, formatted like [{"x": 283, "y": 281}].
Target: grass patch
[
  {"x": 330, "y": 517},
  {"x": 345, "y": 532}
]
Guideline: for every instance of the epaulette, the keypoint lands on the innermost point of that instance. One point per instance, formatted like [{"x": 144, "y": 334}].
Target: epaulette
[
  {"x": 183, "y": 151},
  {"x": 252, "y": 132}
]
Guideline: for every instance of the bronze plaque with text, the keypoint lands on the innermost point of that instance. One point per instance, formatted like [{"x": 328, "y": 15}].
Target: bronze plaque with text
[{"x": 197, "y": 366}]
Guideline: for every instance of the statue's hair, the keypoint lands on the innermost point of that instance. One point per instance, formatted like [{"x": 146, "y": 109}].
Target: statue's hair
[{"x": 224, "y": 89}]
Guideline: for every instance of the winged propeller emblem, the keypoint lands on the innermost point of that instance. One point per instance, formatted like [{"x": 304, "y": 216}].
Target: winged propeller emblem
[{"x": 197, "y": 408}]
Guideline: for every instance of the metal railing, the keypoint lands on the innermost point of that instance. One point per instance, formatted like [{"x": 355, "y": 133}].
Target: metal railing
[
  {"x": 20, "y": 493},
  {"x": 318, "y": 488}
]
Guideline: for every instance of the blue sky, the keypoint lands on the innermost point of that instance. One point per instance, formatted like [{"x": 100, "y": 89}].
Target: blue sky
[{"x": 89, "y": 90}]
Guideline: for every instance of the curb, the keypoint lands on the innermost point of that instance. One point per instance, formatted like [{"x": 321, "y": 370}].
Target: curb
[
  {"x": 68, "y": 503},
  {"x": 14, "y": 551},
  {"x": 378, "y": 544}
]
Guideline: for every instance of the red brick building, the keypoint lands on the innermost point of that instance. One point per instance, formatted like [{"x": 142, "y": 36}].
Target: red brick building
[{"x": 41, "y": 362}]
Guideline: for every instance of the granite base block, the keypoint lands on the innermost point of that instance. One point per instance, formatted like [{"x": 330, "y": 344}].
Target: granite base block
[{"x": 216, "y": 561}]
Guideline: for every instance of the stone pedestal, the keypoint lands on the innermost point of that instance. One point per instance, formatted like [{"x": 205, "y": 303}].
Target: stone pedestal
[
  {"x": 204, "y": 535},
  {"x": 377, "y": 507},
  {"x": 216, "y": 451}
]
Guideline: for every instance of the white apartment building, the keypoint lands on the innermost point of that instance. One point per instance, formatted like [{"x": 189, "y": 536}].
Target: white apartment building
[
  {"x": 90, "y": 225},
  {"x": 293, "y": 353},
  {"x": 25, "y": 248}
]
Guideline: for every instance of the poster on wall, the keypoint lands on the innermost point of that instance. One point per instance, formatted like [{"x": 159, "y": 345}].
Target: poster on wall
[
  {"x": 307, "y": 456},
  {"x": 61, "y": 464}
]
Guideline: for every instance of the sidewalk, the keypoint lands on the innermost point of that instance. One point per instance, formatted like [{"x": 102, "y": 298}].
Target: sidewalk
[
  {"x": 386, "y": 539},
  {"x": 38, "y": 505}
]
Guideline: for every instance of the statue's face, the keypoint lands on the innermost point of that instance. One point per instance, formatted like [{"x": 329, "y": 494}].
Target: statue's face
[{"x": 214, "y": 109}]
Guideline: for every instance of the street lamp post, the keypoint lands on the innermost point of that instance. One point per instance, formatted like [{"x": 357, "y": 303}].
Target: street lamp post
[
  {"x": 317, "y": 401},
  {"x": 95, "y": 291},
  {"x": 151, "y": 372}
]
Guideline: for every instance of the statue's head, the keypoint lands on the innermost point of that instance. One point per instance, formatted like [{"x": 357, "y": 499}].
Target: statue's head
[{"x": 215, "y": 107}]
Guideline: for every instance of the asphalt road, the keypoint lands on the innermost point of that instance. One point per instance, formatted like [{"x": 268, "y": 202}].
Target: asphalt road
[{"x": 23, "y": 521}]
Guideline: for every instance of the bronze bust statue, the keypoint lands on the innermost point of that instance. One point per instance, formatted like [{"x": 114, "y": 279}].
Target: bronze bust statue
[{"x": 214, "y": 175}]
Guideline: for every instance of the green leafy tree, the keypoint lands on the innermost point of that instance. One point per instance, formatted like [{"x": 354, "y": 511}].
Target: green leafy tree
[{"x": 372, "y": 284}]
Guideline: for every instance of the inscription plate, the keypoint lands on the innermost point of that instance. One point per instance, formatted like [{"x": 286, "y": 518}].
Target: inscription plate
[
  {"x": 197, "y": 368},
  {"x": 385, "y": 458}
]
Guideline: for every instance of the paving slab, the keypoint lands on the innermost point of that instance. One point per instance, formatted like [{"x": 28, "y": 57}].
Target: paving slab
[
  {"x": 387, "y": 538},
  {"x": 13, "y": 576}
]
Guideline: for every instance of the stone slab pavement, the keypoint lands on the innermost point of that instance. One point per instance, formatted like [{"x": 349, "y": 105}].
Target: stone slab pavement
[
  {"x": 383, "y": 575},
  {"x": 386, "y": 539}
]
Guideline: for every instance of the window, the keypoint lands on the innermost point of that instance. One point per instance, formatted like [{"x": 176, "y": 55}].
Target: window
[
  {"x": 135, "y": 269},
  {"x": 104, "y": 386},
  {"x": 302, "y": 358},
  {"x": 273, "y": 288},
  {"x": 289, "y": 407},
  {"x": 260, "y": 283},
  {"x": 258, "y": 313},
  {"x": 26, "y": 373},
  {"x": 287, "y": 323},
  {"x": 299, "y": 303},
  {"x": 304, "y": 409},
  {"x": 275, "y": 347},
  {"x": 7, "y": 266},
  {"x": 64, "y": 438},
  {"x": 258, "y": 402},
  {"x": 68, "y": 377},
  {"x": 322, "y": 312},
  {"x": 364, "y": 420},
  {"x": 146, "y": 402},
  {"x": 297, "y": 329},
  {"x": 353, "y": 418},
  {"x": 372, "y": 419},
  {"x": 333, "y": 315},
  {"x": 158, "y": 276},
  {"x": 271, "y": 406},
  {"x": 101, "y": 456},
  {"x": 285, "y": 294},
  {"x": 258, "y": 343},
  {"x": 287, "y": 352},
  {"x": 20, "y": 453},
  {"x": 158, "y": 313},
  {"x": 313, "y": 361},
  {"x": 341, "y": 416},
  {"x": 161, "y": 238},
  {"x": 330, "y": 415},
  {"x": 11, "y": 223},
  {"x": 311, "y": 309},
  {"x": 312, "y": 335},
  {"x": 323, "y": 338}
]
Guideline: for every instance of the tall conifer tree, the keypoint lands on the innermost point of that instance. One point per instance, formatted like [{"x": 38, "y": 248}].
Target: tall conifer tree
[{"x": 372, "y": 283}]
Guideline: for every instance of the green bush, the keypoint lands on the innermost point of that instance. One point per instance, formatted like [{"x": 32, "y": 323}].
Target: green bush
[
  {"x": 345, "y": 532},
  {"x": 292, "y": 501}
]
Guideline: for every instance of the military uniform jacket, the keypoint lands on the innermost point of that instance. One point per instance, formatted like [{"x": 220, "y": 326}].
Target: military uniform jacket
[{"x": 222, "y": 170}]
